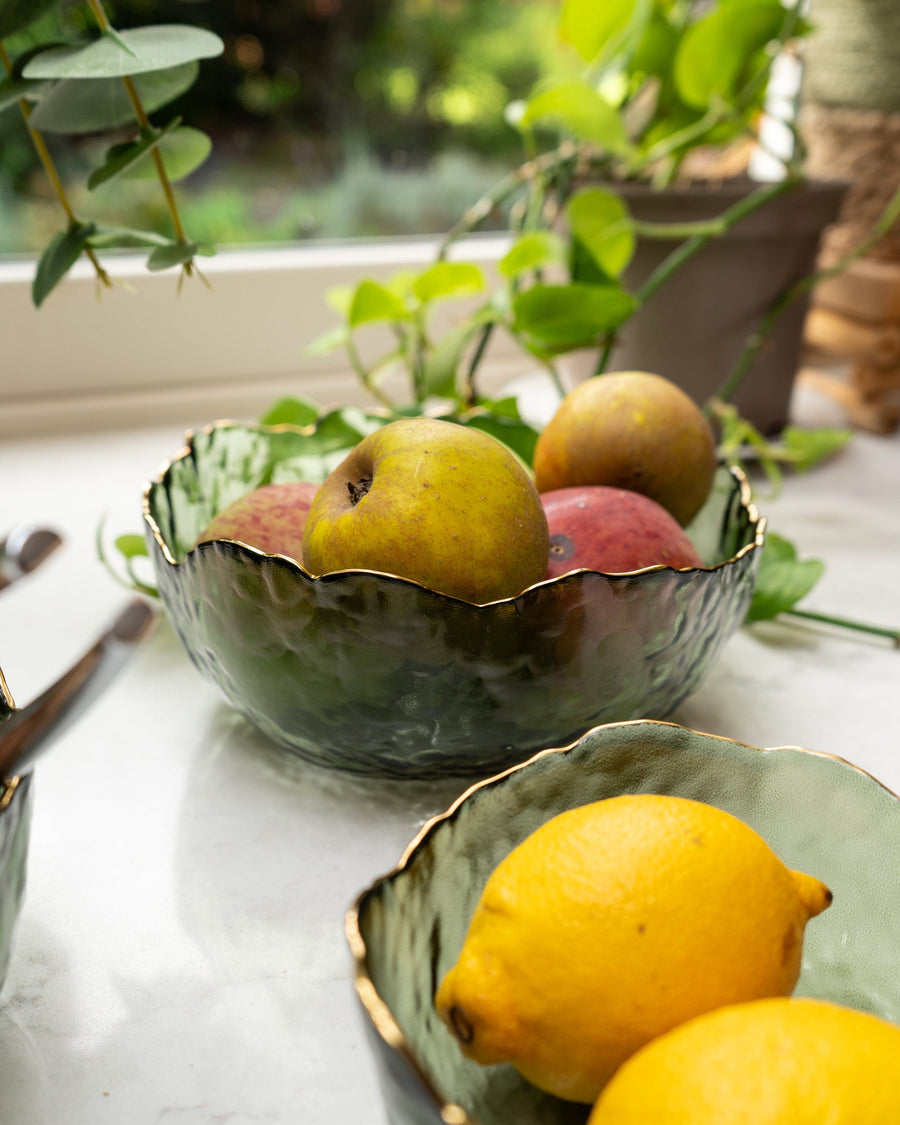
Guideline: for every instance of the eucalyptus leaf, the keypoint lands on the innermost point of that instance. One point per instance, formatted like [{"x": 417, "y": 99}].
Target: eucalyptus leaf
[
  {"x": 120, "y": 157},
  {"x": 602, "y": 224},
  {"x": 577, "y": 107},
  {"x": 131, "y": 52},
  {"x": 373, "y": 302},
  {"x": 182, "y": 149},
  {"x": 782, "y": 579},
  {"x": 126, "y": 236},
  {"x": 177, "y": 254},
  {"x": 16, "y": 15},
  {"x": 448, "y": 279},
  {"x": 12, "y": 90},
  {"x": 93, "y": 105},
  {"x": 534, "y": 250},
  {"x": 559, "y": 318},
  {"x": 715, "y": 51},
  {"x": 291, "y": 411},
  {"x": 58, "y": 258}
]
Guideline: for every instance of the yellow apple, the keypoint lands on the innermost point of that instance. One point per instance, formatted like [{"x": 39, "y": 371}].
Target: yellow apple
[
  {"x": 439, "y": 503},
  {"x": 634, "y": 430}
]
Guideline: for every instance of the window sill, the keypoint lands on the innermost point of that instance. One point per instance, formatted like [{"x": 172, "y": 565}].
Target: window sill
[{"x": 144, "y": 353}]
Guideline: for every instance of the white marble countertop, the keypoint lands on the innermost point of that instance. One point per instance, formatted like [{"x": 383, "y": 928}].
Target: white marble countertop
[{"x": 180, "y": 956}]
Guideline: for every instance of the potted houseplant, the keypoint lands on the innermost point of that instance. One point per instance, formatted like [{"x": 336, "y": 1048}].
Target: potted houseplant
[{"x": 629, "y": 178}]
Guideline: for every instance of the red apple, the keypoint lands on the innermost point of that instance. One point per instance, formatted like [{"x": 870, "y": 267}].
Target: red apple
[
  {"x": 595, "y": 527},
  {"x": 271, "y": 518}
]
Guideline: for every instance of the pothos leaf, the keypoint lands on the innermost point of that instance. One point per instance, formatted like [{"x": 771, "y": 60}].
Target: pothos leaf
[
  {"x": 782, "y": 580},
  {"x": 291, "y": 410}
]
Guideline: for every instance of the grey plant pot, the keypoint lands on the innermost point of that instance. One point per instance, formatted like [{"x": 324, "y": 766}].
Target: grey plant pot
[{"x": 696, "y": 325}]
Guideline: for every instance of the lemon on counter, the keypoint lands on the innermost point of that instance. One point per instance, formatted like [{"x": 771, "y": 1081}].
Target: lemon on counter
[
  {"x": 613, "y": 923},
  {"x": 768, "y": 1062}
]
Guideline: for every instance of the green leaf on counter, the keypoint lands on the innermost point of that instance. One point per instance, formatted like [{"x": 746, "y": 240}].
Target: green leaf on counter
[
  {"x": 808, "y": 447},
  {"x": 783, "y": 579}
]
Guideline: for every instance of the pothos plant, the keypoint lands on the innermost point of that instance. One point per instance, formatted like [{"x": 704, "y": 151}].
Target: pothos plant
[
  {"x": 659, "y": 83},
  {"x": 106, "y": 81}
]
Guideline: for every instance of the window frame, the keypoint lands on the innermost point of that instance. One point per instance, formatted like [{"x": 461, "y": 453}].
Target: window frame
[{"x": 144, "y": 352}]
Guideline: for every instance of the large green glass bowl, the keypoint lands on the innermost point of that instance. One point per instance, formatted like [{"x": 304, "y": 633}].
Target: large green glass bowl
[
  {"x": 379, "y": 675},
  {"x": 819, "y": 813}
]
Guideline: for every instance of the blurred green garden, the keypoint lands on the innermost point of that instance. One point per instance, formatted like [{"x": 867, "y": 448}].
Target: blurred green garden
[{"x": 329, "y": 119}]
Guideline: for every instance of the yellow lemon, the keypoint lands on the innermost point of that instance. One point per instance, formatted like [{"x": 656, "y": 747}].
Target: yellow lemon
[
  {"x": 613, "y": 923},
  {"x": 768, "y": 1062}
]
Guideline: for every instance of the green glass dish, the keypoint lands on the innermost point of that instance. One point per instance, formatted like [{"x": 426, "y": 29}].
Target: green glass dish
[
  {"x": 379, "y": 675},
  {"x": 819, "y": 813}
]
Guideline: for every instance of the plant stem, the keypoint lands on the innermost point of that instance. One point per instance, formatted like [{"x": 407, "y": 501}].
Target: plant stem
[
  {"x": 799, "y": 289},
  {"x": 475, "y": 215},
  {"x": 729, "y": 218},
  {"x": 99, "y": 13},
  {"x": 365, "y": 376},
  {"x": 40, "y": 146},
  {"x": 845, "y": 623},
  {"x": 605, "y": 353}
]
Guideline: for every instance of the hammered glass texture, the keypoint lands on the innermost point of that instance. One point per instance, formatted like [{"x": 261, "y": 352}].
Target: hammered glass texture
[
  {"x": 819, "y": 814},
  {"x": 15, "y": 826},
  {"x": 379, "y": 675}
]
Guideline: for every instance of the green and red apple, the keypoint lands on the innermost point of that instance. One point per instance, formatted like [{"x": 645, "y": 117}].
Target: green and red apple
[
  {"x": 595, "y": 527},
  {"x": 270, "y": 518},
  {"x": 632, "y": 430},
  {"x": 442, "y": 504}
]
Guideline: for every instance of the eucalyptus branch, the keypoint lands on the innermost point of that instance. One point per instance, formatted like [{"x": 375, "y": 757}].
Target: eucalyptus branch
[
  {"x": 800, "y": 289},
  {"x": 47, "y": 163},
  {"x": 103, "y": 22}
]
